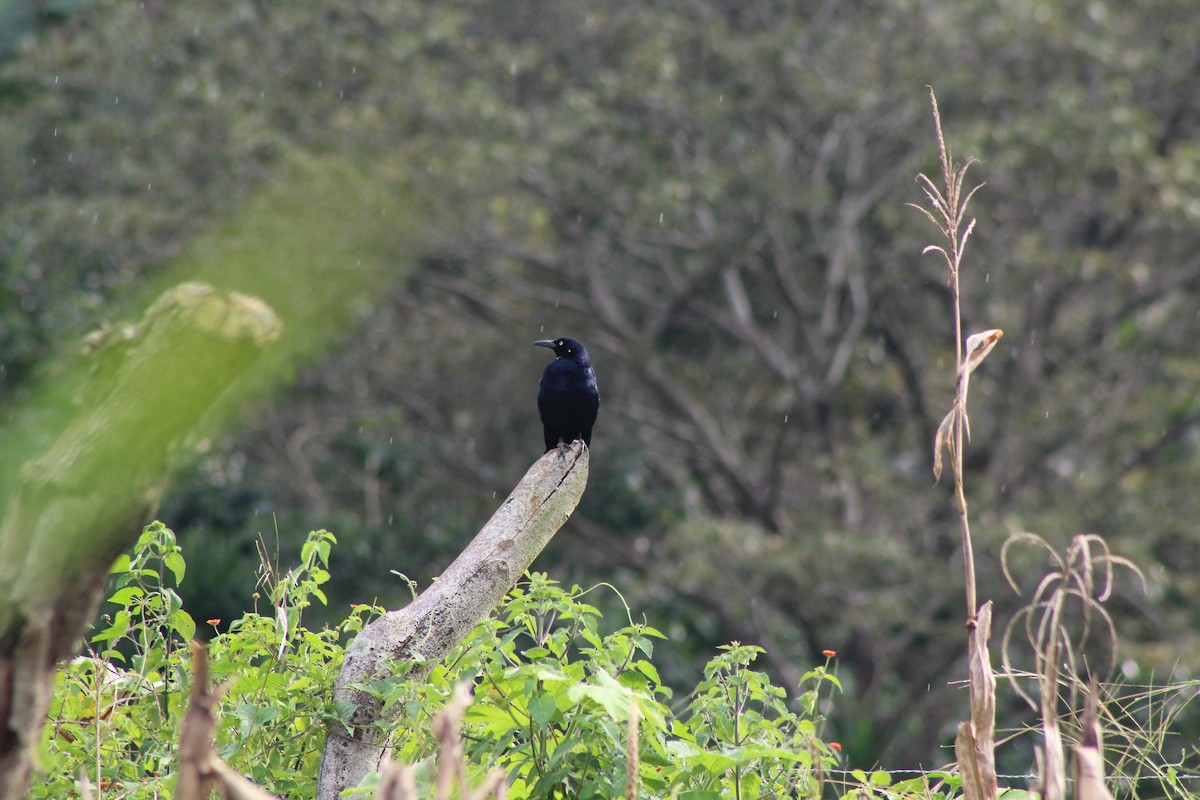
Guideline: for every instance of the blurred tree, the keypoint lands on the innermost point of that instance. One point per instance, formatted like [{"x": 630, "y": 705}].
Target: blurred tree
[
  {"x": 23, "y": 20},
  {"x": 711, "y": 196},
  {"x": 83, "y": 502}
]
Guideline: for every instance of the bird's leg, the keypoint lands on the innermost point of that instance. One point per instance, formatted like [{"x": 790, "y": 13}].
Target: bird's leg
[{"x": 562, "y": 449}]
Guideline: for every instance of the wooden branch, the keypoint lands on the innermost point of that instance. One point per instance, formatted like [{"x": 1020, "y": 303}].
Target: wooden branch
[
  {"x": 86, "y": 499},
  {"x": 424, "y": 631},
  {"x": 200, "y": 769},
  {"x": 196, "y": 732}
]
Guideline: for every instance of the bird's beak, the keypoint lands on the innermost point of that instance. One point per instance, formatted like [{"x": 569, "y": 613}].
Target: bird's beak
[{"x": 545, "y": 343}]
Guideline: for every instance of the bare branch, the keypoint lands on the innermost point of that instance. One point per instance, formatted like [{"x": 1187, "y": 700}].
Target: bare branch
[{"x": 441, "y": 616}]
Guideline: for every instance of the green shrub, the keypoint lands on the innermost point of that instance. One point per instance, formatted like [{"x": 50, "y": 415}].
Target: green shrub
[
  {"x": 116, "y": 709},
  {"x": 554, "y": 697}
]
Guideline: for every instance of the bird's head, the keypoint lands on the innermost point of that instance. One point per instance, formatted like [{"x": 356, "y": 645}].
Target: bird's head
[{"x": 565, "y": 348}]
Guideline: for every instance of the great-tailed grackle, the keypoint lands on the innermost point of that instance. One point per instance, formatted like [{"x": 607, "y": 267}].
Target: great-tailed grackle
[{"x": 568, "y": 399}]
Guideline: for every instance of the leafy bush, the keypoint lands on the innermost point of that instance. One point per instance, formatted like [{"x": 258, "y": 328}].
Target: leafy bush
[
  {"x": 555, "y": 698},
  {"x": 116, "y": 709},
  {"x": 563, "y": 708}
]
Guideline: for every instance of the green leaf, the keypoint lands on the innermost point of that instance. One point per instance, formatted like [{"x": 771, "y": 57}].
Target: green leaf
[
  {"x": 174, "y": 562},
  {"x": 123, "y": 597},
  {"x": 183, "y": 624},
  {"x": 715, "y": 764},
  {"x": 541, "y": 709},
  {"x": 174, "y": 601},
  {"x": 614, "y": 698},
  {"x": 649, "y": 670},
  {"x": 254, "y": 717},
  {"x": 492, "y": 721},
  {"x": 681, "y": 749},
  {"x": 116, "y": 630}
]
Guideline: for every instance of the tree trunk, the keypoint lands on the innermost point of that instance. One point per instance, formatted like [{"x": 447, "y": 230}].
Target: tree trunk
[{"x": 86, "y": 499}]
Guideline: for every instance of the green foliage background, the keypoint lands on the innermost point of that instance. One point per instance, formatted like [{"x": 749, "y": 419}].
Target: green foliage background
[{"x": 712, "y": 197}]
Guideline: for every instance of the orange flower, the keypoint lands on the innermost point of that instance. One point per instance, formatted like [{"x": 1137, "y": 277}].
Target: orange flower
[
  {"x": 829, "y": 653},
  {"x": 214, "y": 621},
  {"x": 836, "y": 746}
]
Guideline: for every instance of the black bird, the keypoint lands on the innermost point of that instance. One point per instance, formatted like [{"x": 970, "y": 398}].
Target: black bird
[{"x": 568, "y": 399}]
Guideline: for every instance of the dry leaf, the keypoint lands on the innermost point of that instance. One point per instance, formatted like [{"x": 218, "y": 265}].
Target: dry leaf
[
  {"x": 978, "y": 346},
  {"x": 944, "y": 440}
]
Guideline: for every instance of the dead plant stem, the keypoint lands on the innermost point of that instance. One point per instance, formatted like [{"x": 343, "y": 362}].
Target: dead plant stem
[{"x": 960, "y": 494}]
